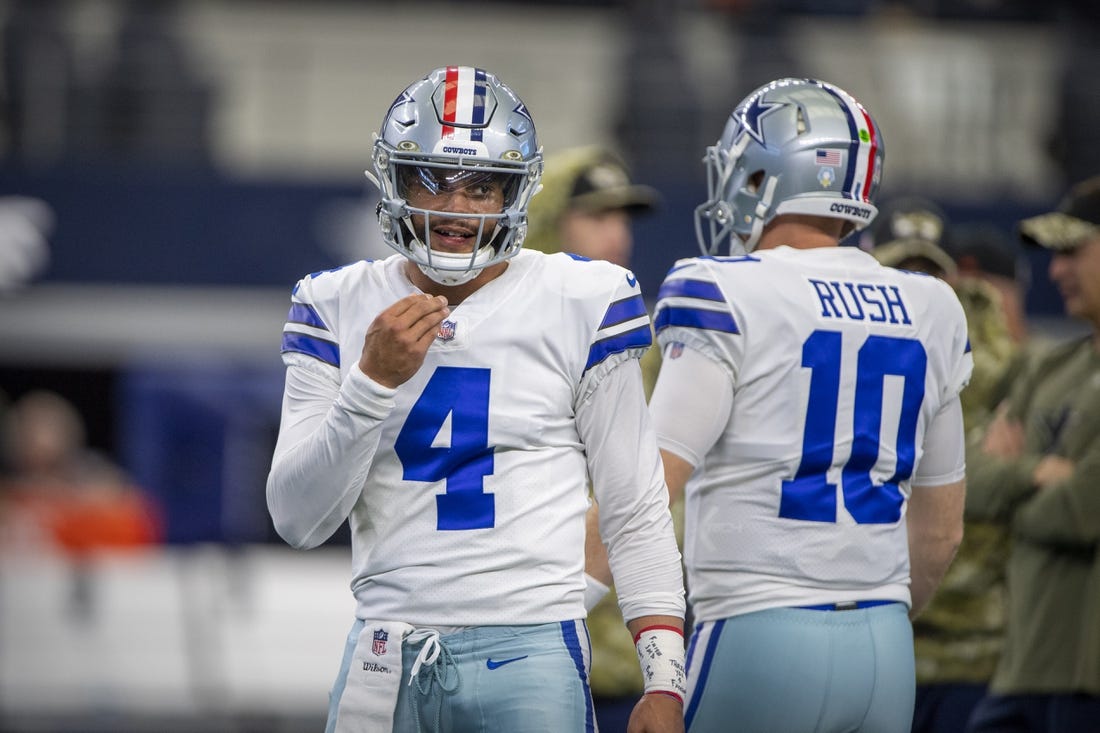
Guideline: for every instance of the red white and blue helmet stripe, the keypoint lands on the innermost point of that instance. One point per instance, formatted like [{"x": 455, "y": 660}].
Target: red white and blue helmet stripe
[
  {"x": 464, "y": 108},
  {"x": 860, "y": 175}
]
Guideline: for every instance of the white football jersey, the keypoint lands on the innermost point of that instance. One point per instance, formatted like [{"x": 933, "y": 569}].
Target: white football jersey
[
  {"x": 836, "y": 365},
  {"x": 471, "y": 510}
]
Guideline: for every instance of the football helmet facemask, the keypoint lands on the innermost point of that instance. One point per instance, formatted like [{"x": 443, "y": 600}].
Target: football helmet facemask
[
  {"x": 793, "y": 146},
  {"x": 457, "y": 128}
]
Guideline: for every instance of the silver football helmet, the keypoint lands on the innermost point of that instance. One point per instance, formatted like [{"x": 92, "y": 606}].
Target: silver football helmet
[
  {"x": 793, "y": 146},
  {"x": 458, "y": 126}
]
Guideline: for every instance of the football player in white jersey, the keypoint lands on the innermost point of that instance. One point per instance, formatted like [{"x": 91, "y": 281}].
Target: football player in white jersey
[
  {"x": 808, "y": 403},
  {"x": 451, "y": 403}
]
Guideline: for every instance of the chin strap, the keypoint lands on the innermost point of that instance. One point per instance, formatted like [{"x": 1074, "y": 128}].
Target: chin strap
[
  {"x": 449, "y": 277},
  {"x": 760, "y": 212}
]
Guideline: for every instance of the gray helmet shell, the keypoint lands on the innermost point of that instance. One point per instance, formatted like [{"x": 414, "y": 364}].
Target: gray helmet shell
[
  {"x": 457, "y": 118},
  {"x": 793, "y": 146}
]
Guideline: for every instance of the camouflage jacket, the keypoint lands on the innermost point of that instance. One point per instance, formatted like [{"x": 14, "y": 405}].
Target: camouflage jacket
[
  {"x": 1052, "y": 633},
  {"x": 958, "y": 637}
]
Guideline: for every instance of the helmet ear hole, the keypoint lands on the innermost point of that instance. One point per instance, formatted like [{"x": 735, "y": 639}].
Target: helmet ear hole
[{"x": 755, "y": 181}]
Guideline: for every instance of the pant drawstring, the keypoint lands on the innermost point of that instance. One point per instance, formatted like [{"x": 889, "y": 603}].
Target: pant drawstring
[{"x": 433, "y": 665}]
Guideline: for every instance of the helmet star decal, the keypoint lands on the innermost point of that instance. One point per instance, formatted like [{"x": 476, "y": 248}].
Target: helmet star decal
[
  {"x": 403, "y": 98},
  {"x": 751, "y": 116},
  {"x": 521, "y": 109}
]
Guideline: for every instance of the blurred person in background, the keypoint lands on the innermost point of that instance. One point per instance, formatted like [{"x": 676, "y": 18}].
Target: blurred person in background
[
  {"x": 1035, "y": 471},
  {"x": 807, "y": 407},
  {"x": 451, "y": 402},
  {"x": 985, "y": 256},
  {"x": 61, "y": 494},
  {"x": 982, "y": 252},
  {"x": 912, "y": 233},
  {"x": 958, "y": 637},
  {"x": 587, "y": 207}
]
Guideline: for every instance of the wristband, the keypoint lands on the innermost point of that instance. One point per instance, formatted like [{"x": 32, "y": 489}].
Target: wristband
[
  {"x": 594, "y": 591},
  {"x": 661, "y": 655}
]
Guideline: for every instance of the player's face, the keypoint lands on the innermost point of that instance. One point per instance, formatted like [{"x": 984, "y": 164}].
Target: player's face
[
  {"x": 1077, "y": 275},
  {"x": 454, "y": 193}
]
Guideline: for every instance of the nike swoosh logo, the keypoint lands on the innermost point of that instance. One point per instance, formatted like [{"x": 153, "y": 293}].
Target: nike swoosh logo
[
  {"x": 493, "y": 665},
  {"x": 631, "y": 280}
]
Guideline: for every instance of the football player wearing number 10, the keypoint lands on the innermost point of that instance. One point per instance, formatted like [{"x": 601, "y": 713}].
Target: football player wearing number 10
[
  {"x": 451, "y": 402},
  {"x": 808, "y": 402}
]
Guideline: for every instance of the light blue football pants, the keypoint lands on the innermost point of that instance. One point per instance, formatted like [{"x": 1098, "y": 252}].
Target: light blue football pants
[
  {"x": 789, "y": 670},
  {"x": 521, "y": 679}
]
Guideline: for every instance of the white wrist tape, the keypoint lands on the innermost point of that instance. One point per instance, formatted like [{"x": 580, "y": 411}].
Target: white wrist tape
[
  {"x": 661, "y": 654},
  {"x": 594, "y": 592}
]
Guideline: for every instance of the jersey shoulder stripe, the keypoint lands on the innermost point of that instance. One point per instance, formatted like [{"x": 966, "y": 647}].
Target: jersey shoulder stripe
[
  {"x": 306, "y": 315},
  {"x": 690, "y": 288},
  {"x": 318, "y": 348},
  {"x": 306, "y": 333},
  {"x": 636, "y": 338},
  {"x": 701, "y": 318},
  {"x": 688, "y": 298},
  {"x": 624, "y": 310},
  {"x": 306, "y": 330},
  {"x": 625, "y": 326},
  {"x": 597, "y": 289}
]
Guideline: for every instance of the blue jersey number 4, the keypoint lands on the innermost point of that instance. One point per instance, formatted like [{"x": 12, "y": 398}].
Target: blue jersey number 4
[
  {"x": 809, "y": 496},
  {"x": 460, "y": 394}
]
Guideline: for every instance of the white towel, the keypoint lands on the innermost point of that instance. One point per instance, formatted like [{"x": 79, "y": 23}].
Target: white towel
[{"x": 370, "y": 691}]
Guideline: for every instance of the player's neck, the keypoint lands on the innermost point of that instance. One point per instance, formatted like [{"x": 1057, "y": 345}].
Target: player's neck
[
  {"x": 801, "y": 232},
  {"x": 454, "y": 294}
]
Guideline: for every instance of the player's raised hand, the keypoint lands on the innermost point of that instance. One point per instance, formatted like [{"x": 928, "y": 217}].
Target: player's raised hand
[{"x": 398, "y": 339}]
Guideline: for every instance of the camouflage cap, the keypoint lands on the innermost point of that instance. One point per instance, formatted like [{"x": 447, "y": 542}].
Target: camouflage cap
[
  {"x": 1076, "y": 220},
  {"x": 907, "y": 217},
  {"x": 909, "y": 233},
  {"x": 590, "y": 179},
  {"x": 902, "y": 252},
  {"x": 605, "y": 185}
]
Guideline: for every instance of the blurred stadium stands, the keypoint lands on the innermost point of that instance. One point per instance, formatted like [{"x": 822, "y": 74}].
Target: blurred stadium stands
[
  {"x": 199, "y": 157},
  {"x": 193, "y": 638}
]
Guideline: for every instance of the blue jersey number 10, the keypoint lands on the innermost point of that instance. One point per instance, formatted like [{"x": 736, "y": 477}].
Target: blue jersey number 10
[
  {"x": 461, "y": 394},
  {"x": 809, "y": 496}
]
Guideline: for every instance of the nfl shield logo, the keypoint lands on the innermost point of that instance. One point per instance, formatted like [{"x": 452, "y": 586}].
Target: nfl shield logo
[
  {"x": 381, "y": 636},
  {"x": 446, "y": 331}
]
